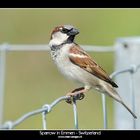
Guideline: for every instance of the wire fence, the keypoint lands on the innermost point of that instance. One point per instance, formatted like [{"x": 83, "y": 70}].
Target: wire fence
[{"x": 47, "y": 108}]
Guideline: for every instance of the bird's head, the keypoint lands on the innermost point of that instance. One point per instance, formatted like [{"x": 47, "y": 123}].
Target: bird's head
[{"x": 63, "y": 34}]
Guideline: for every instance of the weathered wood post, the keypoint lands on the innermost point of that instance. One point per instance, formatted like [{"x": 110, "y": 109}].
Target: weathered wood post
[{"x": 128, "y": 54}]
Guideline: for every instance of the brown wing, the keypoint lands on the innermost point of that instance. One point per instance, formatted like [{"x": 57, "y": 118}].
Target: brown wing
[{"x": 80, "y": 58}]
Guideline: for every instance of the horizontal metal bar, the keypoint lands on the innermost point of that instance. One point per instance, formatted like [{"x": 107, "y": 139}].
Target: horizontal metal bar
[
  {"x": 45, "y": 47},
  {"x": 132, "y": 69}
]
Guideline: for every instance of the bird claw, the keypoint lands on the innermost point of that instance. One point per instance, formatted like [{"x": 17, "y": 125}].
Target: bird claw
[
  {"x": 69, "y": 100},
  {"x": 79, "y": 96}
]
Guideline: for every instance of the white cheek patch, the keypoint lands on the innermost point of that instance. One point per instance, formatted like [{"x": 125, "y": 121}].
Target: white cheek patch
[
  {"x": 55, "y": 42},
  {"x": 58, "y": 38}
]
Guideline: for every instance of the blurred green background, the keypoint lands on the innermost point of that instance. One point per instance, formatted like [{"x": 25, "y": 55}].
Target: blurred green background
[{"x": 32, "y": 78}]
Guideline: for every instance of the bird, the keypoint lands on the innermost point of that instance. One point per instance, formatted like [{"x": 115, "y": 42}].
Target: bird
[{"x": 77, "y": 65}]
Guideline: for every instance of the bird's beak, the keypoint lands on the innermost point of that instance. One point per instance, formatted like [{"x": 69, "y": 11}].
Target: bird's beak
[{"x": 73, "y": 32}]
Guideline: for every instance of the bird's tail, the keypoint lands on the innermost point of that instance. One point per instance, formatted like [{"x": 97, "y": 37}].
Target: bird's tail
[{"x": 113, "y": 93}]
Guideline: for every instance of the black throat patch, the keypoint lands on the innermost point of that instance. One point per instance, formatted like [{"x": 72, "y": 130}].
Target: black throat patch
[{"x": 55, "y": 47}]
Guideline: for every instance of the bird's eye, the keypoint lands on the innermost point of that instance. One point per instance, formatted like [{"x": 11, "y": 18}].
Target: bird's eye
[{"x": 64, "y": 30}]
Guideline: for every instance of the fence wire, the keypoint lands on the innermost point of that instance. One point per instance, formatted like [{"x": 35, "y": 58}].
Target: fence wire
[{"x": 46, "y": 108}]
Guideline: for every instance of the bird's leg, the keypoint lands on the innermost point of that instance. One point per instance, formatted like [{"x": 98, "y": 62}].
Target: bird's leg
[{"x": 78, "y": 94}]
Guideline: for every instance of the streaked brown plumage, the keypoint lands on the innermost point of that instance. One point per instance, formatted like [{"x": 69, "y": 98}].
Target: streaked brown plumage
[{"x": 88, "y": 64}]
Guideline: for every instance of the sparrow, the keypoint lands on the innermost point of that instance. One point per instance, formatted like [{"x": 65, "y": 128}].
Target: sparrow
[{"x": 77, "y": 65}]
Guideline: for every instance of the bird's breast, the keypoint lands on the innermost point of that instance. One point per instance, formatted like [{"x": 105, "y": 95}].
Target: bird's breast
[{"x": 70, "y": 70}]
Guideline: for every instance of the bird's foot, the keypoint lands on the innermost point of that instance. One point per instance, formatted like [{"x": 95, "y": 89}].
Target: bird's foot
[
  {"x": 76, "y": 94},
  {"x": 79, "y": 96}
]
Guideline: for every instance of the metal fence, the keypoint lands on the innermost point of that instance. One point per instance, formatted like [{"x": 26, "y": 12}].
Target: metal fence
[{"x": 45, "y": 109}]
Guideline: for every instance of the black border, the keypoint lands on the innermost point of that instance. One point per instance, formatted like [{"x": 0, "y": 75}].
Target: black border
[
  {"x": 75, "y": 134},
  {"x": 69, "y": 4}
]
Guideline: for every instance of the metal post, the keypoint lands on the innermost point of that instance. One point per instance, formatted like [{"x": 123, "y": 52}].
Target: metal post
[
  {"x": 75, "y": 113},
  {"x": 132, "y": 97},
  {"x": 2, "y": 77},
  {"x": 44, "y": 120},
  {"x": 127, "y": 54},
  {"x": 104, "y": 110}
]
